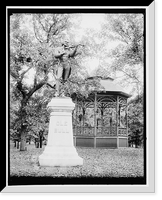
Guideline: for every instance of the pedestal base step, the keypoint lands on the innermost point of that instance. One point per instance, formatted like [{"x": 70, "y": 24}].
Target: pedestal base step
[{"x": 60, "y": 157}]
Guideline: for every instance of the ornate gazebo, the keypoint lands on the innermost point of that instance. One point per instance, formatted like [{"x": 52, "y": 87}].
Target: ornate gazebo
[{"x": 101, "y": 119}]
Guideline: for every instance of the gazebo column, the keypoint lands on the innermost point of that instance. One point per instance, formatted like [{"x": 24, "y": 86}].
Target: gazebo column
[
  {"x": 119, "y": 115},
  {"x": 102, "y": 112},
  {"x": 95, "y": 110},
  {"x": 117, "y": 109}
]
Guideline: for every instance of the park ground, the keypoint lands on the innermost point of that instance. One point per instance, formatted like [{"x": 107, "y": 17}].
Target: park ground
[{"x": 122, "y": 162}]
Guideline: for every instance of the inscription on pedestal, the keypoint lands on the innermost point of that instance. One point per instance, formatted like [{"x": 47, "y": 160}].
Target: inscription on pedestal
[{"x": 61, "y": 127}]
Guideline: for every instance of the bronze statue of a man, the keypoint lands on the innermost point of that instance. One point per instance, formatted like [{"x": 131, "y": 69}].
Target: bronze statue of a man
[{"x": 63, "y": 70}]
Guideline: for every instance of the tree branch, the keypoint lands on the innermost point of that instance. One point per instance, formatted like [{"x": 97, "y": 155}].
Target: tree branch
[
  {"x": 133, "y": 77},
  {"x": 41, "y": 23},
  {"x": 53, "y": 87},
  {"x": 20, "y": 88},
  {"x": 22, "y": 75},
  {"x": 49, "y": 31},
  {"x": 36, "y": 33},
  {"x": 14, "y": 75},
  {"x": 34, "y": 89}
]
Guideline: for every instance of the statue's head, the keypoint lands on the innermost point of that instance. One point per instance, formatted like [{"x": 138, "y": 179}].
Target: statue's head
[
  {"x": 65, "y": 44},
  {"x": 65, "y": 57},
  {"x": 59, "y": 50}
]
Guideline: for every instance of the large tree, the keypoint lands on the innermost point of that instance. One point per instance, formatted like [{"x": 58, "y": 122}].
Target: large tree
[
  {"x": 35, "y": 49},
  {"x": 136, "y": 121},
  {"x": 128, "y": 56}
]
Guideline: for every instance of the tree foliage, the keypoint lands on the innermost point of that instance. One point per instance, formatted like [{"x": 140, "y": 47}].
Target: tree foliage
[
  {"x": 126, "y": 32},
  {"x": 129, "y": 29},
  {"x": 136, "y": 121},
  {"x": 36, "y": 49}
]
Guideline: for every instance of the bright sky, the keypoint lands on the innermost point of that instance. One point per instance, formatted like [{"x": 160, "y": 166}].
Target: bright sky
[{"x": 93, "y": 21}]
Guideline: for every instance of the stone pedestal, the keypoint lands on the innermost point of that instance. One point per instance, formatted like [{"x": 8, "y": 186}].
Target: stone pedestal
[{"x": 60, "y": 150}]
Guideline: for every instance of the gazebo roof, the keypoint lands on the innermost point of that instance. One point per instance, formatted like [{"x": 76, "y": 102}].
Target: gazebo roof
[{"x": 109, "y": 86}]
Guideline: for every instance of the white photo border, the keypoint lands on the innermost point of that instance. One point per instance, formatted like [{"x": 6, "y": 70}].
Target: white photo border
[{"x": 150, "y": 128}]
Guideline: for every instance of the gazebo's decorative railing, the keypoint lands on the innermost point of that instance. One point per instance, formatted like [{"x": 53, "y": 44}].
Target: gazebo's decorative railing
[
  {"x": 83, "y": 131},
  {"x": 122, "y": 131},
  {"x": 106, "y": 131},
  {"x": 100, "y": 131}
]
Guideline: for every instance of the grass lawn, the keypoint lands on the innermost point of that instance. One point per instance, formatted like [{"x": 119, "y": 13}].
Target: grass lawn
[{"x": 122, "y": 162}]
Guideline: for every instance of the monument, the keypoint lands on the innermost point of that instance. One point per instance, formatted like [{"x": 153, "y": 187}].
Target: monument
[{"x": 60, "y": 150}]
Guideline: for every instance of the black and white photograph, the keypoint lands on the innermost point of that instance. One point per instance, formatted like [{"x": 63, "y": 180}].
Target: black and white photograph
[{"x": 77, "y": 97}]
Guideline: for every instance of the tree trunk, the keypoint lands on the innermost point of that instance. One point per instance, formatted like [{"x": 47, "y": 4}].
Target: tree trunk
[
  {"x": 23, "y": 141},
  {"x": 40, "y": 138},
  {"x": 23, "y": 126},
  {"x": 14, "y": 143},
  {"x": 37, "y": 144},
  {"x": 23, "y": 114},
  {"x": 17, "y": 144},
  {"x": 40, "y": 142}
]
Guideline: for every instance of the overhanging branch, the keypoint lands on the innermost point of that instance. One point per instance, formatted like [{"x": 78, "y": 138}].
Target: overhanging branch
[{"x": 34, "y": 89}]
